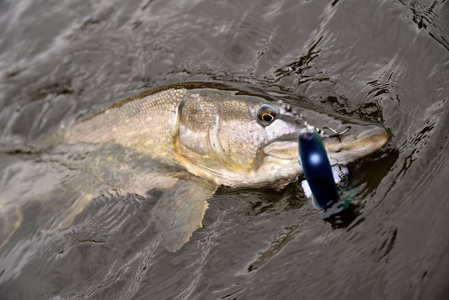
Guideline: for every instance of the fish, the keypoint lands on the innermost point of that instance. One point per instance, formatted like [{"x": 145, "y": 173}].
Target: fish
[{"x": 187, "y": 140}]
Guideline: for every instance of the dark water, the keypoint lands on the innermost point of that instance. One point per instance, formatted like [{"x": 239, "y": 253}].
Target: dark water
[{"x": 386, "y": 61}]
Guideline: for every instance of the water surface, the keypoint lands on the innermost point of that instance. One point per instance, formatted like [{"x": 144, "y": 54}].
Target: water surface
[{"x": 383, "y": 61}]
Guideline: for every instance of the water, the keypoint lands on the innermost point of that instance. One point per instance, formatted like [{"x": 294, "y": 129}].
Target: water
[{"x": 378, "y": 60}]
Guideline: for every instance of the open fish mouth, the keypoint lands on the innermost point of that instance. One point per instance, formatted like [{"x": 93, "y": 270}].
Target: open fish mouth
[{"x": 358, "y": 141}]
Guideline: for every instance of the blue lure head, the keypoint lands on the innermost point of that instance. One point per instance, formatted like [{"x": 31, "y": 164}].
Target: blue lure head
[{"x": 318, "y": 172}]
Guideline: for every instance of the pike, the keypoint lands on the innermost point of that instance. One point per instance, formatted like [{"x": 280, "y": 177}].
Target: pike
[{"x": 188, "y": 139}]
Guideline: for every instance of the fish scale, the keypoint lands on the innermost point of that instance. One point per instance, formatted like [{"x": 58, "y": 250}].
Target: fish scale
[{"x": 143, "y": 124}]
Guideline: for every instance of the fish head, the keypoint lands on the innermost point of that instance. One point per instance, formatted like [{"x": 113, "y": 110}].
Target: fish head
[{"x": 243, "y": 140}]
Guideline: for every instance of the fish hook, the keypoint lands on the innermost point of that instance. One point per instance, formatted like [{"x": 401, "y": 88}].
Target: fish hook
[{"x": 336, "y": 134}]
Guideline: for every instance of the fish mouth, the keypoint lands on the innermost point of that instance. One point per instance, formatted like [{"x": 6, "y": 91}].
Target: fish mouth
[
  {"x": 358, "y": 141},
  {"x": 285, "y": 150}
]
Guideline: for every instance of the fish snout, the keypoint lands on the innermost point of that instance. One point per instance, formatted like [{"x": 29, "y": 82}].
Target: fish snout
[{"x": 356, "y": 142}]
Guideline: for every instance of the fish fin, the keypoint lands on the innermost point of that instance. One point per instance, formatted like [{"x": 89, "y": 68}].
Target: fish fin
[{"x": 180, "y": 210}]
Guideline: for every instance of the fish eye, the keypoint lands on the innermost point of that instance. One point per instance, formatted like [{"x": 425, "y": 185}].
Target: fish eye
[{"x": 266, "y": 114}]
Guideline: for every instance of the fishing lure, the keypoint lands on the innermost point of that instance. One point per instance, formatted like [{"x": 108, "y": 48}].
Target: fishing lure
[{"x": 320, "y": 177}]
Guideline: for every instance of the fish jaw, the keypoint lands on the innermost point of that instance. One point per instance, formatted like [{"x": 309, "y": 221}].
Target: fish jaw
[
  {"x": 358, "y": 142},
  {"x": 281, "y": 157}
]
